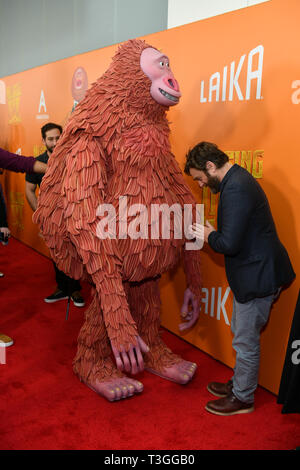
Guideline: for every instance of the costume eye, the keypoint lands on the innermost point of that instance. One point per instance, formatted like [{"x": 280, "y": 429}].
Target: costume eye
[
  {"x": 162, "y": 63},
  {"x": 167, "y": 64}
]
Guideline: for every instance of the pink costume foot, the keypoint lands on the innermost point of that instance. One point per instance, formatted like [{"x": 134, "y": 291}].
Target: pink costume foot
[
  {"x": 117, "y": 388},
  {"x": 181, "y": 373}
]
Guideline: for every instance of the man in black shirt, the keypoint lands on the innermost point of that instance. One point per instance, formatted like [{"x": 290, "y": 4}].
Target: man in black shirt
[{"x": 65, "y": 285}]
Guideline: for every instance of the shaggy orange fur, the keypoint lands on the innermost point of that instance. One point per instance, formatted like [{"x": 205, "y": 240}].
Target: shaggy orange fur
[{"x": 116, "y": 143}]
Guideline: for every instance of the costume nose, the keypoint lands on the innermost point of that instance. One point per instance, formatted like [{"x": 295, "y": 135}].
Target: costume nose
[{"x": 171, "y": 83}]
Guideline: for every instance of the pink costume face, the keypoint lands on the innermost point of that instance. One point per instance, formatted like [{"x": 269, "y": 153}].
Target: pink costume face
[{"x": 164, "y": 88}]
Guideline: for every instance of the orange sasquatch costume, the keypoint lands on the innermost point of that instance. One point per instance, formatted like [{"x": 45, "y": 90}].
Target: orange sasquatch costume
[{"x": 116, "y": 145}]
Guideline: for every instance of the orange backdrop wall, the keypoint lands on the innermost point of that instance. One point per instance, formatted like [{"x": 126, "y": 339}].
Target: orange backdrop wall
[{"x": 240, "y": 79}]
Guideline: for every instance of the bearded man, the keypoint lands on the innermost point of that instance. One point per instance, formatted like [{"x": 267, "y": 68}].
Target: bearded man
[
  {"x": 257, "y": 266},
  {"x": 66, "y": 286}
]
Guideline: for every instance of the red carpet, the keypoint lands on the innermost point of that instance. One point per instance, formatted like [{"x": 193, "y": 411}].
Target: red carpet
[{"x": 44, "y": 406}]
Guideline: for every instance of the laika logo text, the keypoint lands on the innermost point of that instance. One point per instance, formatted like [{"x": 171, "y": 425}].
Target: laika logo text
[{"x": 228, "y": 84}]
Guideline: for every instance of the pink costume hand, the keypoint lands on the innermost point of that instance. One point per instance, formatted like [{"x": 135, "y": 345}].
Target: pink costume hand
[
  {"x": 132, "y": 360},
  {"x": 192, "y": 316},
  {"x": 197, "y": 230}
]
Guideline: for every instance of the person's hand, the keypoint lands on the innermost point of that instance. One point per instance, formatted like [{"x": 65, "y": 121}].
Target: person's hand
[
  {"x": 208, "y": 228},
  {"x": 39, "y": 167},
  {"x": 202, "y": 231},
  {"x": 132, "y": 360},
  {"x": 189, "y": 316},
  {"x": 6, "y": 234},
  {"x": 5, "y": 231},
  {"x": 197, "y": 230}
]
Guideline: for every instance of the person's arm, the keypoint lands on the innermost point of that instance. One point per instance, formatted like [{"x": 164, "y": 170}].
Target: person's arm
[
  {"x": 17, "y": 163},
  {"x": 39, "y": 167},
  {"x": 84, "y": 186},
  {"x": 191, "y": 258},
  {"x": 30, "y": 195},
  {"x": 237, "y": 207}
]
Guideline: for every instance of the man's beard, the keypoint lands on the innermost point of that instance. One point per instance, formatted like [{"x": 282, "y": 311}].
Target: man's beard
[
  {"x": 49, "y": 149},
  {"x": 213, "y": 183}
]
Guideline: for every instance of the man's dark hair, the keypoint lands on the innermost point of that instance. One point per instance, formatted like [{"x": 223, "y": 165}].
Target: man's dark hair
[
  {"x": 48, "y": 127},
  {"x": 201, "y": 154}
]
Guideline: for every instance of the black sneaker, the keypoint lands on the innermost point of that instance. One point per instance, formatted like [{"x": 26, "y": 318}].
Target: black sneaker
[
  {"x": 77, "y": 299},
  {"x": 57, "y": 295}
]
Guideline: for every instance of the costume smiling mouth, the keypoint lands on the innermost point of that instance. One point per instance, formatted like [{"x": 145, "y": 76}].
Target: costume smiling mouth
[{"x": 168, "y": 96}]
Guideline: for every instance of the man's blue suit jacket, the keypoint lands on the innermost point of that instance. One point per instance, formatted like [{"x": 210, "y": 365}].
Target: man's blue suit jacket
[{"x": 256, "y": 262}]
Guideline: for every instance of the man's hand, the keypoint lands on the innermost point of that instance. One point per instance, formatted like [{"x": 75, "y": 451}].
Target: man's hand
[
  {"x": 208, "y": 228},
  {"x": 132, "y": 360},
  {"x": 192, "y": 316},
  {"x": 200, "y": 231},
  {"x": 39, "y": 167},
  {"x": 6, "y": 233}
]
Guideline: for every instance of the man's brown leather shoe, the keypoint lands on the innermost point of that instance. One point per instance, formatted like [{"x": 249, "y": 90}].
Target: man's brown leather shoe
[
  {"x": 220, "y": 389},
  {"x": 228, "y": 406}
]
